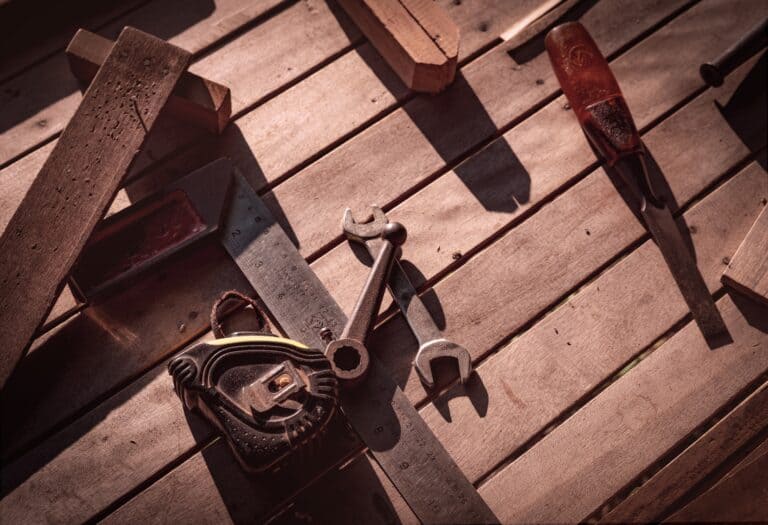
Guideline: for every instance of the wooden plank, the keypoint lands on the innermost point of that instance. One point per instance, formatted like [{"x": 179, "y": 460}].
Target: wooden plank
[
  {"x": 747, "y": 271},
  {"x": 740, "y": 496},
  {"x": 537, "y": 377},
  {"x": 512, "y": 175},
  {"x": 648, "y": 502},
  {"x": 337, "y": 111},
  {"x": 416, "y": 38},
  {"x": 432, "y": 132},
  {"x": 570, "y": 472},
  {"x": 214, "y": 273},
  {"x": 226, "y": 273},
  {"x": 77, "y": 182},
  {"x": 47, "y": 94},
  {"x": 209, "y": 283},
  {"x": 454, "y": 436},
  {"x": 195, "y": 100}
]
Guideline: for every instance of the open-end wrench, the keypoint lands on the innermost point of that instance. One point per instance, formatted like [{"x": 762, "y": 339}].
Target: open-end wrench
[
  {"x": 348, "y": 354},
  {"x": 432, "y": 344}
]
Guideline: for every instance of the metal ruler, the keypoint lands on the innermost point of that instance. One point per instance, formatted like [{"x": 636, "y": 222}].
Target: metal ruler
[{"x": 409, "y": 453}]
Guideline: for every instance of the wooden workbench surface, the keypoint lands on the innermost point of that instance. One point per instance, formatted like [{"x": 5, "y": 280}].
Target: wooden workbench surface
[{"x": 595, "y": 398}]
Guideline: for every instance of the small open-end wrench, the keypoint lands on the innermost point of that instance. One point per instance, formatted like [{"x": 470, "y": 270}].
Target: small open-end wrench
[
  {"x": 348, "y": 354},
  {"x": 432, "y": 344}
]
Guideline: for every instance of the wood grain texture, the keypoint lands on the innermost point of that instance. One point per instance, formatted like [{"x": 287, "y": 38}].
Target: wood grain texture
[
  {"x": 77, "y": 182},
  {"x": 128, "y": 311},
  {"x": 195, "y": 100},
  {"x": 277, "y": 138},
  {"x": 740, "y": 496},
  {"x": 556, "y": 363},
  {"x": 212, "y": 486},
  {"x": 39, "y": 102},
  {"x": 430, "y": 133},
  {"x": 466, "y": 420},
  {"x": 217, "y": 274},
  {"x": 602, "y": 447},
  {"x": 747, "y": 271},
  {"x": 417, "y": 39},
  {"x": 736, "y": 429}
]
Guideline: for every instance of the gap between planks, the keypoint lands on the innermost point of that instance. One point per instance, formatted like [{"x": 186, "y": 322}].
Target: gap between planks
[
  {"x": 681, "y": 175},
  {"x": 102, "y": 398}
]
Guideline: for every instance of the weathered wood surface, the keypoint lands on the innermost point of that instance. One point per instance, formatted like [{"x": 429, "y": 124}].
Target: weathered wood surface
[
  {"x": 558, "y": 362},
  {"x": 77, "y": 182},
  {"x": 740, "y": 496},
  {"x": 416, "y": 38},
  {"x": 567, "y": 475},
  {"x": 712, "y": 152},
  {"x": 524, "y": 387},
  {"x": 44, "y": 97},
  {"x": 166, "y": 324},
  {"x": 196, "y": 100},
  {"x": 656, "y": 496},
  {"x": 747, "y": 271}
]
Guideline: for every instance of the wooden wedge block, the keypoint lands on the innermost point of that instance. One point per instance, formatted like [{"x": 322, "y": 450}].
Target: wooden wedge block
[
  {"x": 417, "y": 38},
  {"x": 196, "y": 100},
  {"x": 78, "y": 182},
  {"x": 747, "y": 271}
]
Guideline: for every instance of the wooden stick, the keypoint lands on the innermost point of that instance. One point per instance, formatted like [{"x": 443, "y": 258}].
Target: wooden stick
[
  {"x": 78, "y": 181},
  {"x": 747, "y": 272},
  {"x": 416, "y": 38},
  {"x": 195, "y": 99}
]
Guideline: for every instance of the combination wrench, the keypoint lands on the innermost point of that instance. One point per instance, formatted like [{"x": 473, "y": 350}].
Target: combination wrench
[
  {"x": 348, "y": 354},
  {"x": 432, "y": 344}
]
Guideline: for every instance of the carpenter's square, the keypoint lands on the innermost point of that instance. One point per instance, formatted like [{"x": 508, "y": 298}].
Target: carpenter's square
[{"x": 398, "y": 438}]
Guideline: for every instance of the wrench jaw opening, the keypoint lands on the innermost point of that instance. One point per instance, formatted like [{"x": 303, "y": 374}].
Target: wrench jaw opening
[
  {"x": 442, "y": 349},
  {"x": 349, "y": 360},
  {"x": 364, "y": 231}
]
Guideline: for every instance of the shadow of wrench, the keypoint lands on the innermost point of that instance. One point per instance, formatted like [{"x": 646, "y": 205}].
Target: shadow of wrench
[{"x": 432, "y": 344}]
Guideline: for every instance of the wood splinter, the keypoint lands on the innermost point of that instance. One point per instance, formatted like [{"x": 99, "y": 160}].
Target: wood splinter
[
  {"x": 417, "y": 38},
  {"x": 196, "y": 100},
  {"x": 747, "y": 271}
]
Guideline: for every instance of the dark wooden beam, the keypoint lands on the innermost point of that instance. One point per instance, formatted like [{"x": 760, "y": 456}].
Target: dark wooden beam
[
  {"x": 196, "y": 100},
  {"x": 78, "y": 182}
]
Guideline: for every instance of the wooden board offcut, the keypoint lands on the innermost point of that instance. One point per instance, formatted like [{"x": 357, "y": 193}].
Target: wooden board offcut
[
  {"x": 78, "y": 181},
  {"x": 747, "y": 271}
]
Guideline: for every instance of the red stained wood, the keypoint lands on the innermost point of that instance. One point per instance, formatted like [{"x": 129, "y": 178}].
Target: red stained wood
[{"x": 77, "y": 182}]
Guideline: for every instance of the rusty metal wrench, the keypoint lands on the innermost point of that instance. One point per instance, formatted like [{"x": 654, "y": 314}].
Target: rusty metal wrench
[
  {"x": 348, "y": 354},
  {"x": 432, "y": 344}
]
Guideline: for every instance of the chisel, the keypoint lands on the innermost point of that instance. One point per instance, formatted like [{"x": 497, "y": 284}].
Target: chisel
[{"x": 594, "y": 95}]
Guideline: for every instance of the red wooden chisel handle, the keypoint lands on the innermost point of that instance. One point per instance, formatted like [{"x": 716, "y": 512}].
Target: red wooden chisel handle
[{"x": 593, "y": 92}]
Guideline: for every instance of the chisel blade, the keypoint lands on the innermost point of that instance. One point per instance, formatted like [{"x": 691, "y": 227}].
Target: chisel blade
[{"x": 665, "y": 231}]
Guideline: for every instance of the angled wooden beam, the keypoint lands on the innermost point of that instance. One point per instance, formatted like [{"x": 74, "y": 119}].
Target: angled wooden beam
[
  {"x": 747, "y": 272},
  {"x": 78, "y": 181},
  {"x": 417, "y": 38},
  {"x": 195, "y": 99}
]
